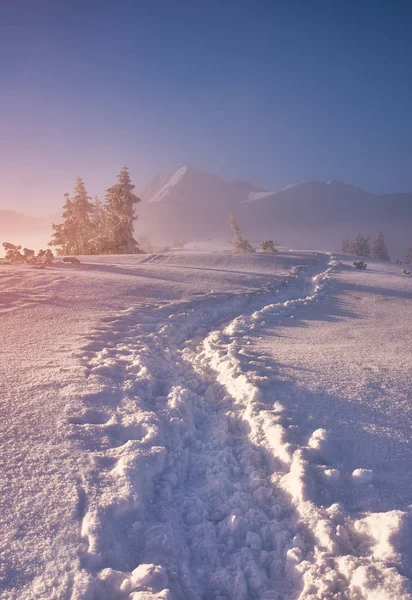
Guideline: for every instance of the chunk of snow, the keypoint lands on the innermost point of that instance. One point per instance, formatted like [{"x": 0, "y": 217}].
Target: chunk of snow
[
  {"x": 332, "y": 474},
  {"x": 150, "y": 576},
  {"x": 362, "y": 476}
]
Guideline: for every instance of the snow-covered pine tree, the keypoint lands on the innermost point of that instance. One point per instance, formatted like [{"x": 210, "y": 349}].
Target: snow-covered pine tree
[
  {"x": 346, "y": 245},
  {"x": 97, "y": 216},
  {"x": 408, "y": 257},
  {"x": 116, "y": 236},
  {"x": 379, "y": 249},
  {"x": 73, "y": 235},
  {"x": 240, "y": 244},
  {"x": 359, "y": 245}
]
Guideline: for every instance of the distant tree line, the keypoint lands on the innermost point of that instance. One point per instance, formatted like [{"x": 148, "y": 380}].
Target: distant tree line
[
  {"x": 91, "y": 227},
  {"x": 359, "y": 246}
]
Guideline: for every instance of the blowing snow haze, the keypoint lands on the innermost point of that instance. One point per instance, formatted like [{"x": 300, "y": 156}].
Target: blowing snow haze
[{"x": 191, "y": 204}]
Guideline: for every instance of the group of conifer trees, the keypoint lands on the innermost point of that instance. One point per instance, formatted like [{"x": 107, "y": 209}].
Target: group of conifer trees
[
  {"x": 91, "y": 227},
  {"x": 359, "y": 245}
]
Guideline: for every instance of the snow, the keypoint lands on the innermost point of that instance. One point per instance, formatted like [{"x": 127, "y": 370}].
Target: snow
[
  {"x": 197, "y": 425},
  {"x": 362, "y": 475},
  {"x": 290, "y": 186},
  {"x": 253, "y": 196},
  {"x": 174, "y": 180}
]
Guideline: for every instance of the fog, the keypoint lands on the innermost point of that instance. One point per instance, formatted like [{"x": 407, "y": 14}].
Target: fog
[{"x": 190, "y": 205}]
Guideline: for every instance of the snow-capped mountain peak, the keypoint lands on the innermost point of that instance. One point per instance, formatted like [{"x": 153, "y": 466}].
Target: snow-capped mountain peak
[
  {"x": 179, "y": 185},
  {"x": 187, "y": 183},
  {"x": 175, "y": 179}
]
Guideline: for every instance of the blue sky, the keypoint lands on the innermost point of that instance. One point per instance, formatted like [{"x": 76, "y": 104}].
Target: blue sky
[{"x": 269, "y": 91}]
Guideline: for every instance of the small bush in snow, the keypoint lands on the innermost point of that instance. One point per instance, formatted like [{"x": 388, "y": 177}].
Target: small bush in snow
[
  {"x": 268, "y": 246},
  {"x": 71, "y": 259},
  {"x": 29, "y": 256},
  {"x": 13, "y": 253},
  {"x": 15, "y": 256},
  {"x": 45, "y": 257},
  {"x": 359, "y": 264}
]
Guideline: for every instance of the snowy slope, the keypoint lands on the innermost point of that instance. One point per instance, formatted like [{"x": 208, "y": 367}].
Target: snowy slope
[{"x": 191, "y": 425}]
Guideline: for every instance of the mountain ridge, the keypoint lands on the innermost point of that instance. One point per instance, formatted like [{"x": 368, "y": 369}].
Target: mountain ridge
[
  {"x": 173, "y": 178},
  {"x": 314, "y": 214},
  {"x": 190, "y": 204}
]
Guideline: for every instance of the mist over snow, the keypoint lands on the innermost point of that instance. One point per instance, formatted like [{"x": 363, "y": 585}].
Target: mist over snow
[
  {"x": 192, "y": 204},
  {"x": 17, "y": 228}
]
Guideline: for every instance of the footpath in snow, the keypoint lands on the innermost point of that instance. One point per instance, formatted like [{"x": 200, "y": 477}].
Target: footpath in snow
[{"x": 220, "y": 446}]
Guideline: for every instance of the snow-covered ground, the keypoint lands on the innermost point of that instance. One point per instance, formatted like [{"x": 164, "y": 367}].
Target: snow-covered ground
[{"x": 195, "y": 426}]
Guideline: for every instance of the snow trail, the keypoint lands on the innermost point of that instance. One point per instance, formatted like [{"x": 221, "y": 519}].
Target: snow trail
[
  {"x": 199, "y": 483},
  {"x": 331, "y": 555}
]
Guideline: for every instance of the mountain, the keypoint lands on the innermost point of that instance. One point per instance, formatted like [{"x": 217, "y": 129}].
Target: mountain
[
  {"x": 188, "y": 184},
  {"x": 249, "y": 187},
  {"x": 188, "y": 203},
  {"x": 191, "y": 204}
]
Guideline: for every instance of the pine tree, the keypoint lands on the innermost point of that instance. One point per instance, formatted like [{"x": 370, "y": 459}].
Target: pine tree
[
  {"x": 408, "y": 257},
  {"x": 240, "y": 244},
  {"x": 359, "y": 246},
  {"x": 73, "y": 235},
  {"x": 97, "y": 216},
  {"x": 346, "y": 246},
  {"x": 379, "y": 249},
  {"x": 116, "y": 236}
]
